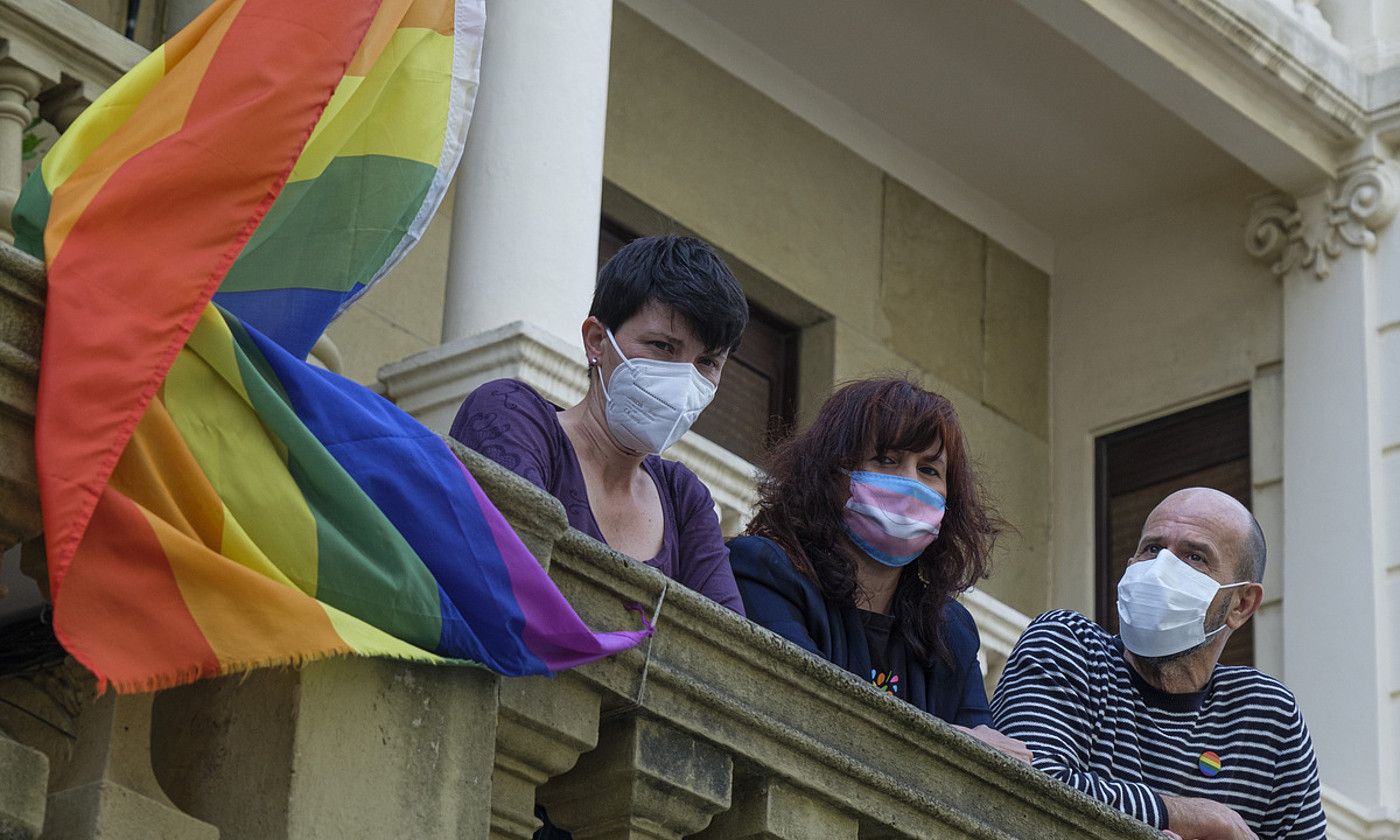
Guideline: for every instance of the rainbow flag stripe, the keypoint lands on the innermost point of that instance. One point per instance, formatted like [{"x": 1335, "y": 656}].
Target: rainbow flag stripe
[{"x": 213, "y": 503}]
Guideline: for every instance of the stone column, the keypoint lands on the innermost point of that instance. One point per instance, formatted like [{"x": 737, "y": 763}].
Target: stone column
[
  {"x": 645, "y": 781},
  {"x": 18, "y": 85},
  {"x": 525, "y": 224},
  {"x": 543, "y": 727},
  {"x": 1339, "y": 260}
]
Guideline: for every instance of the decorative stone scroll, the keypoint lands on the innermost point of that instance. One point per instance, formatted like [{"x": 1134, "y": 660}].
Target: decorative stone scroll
[{"x": 1310, "y": 235}]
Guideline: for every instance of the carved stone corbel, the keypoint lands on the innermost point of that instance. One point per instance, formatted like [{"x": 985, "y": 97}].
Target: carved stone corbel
[{"x": 1310, "y": 235}]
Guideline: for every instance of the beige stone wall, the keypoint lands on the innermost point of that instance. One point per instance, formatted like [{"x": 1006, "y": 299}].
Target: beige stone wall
[
  {"x": 1151, "y": 316},
  {"x": 905, "y": 285}
]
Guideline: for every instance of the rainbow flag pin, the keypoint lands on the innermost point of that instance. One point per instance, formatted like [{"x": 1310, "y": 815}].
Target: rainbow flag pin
[{"x": 1209, "y": 763}]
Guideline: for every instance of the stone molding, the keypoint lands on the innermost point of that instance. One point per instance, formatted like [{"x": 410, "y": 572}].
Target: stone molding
[
  {"x": 1310, "y": 236},
  {"x": 1326, "y": 91},
  {"x": 22, "y": 292}
]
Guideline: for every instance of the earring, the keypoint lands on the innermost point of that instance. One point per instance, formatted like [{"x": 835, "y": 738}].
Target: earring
[
  {"x": 592, "y": 362},
  {"x": 923, "y": 575}
]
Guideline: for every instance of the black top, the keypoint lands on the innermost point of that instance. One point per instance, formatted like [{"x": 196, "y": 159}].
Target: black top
[{"x": 785, "y": 601}]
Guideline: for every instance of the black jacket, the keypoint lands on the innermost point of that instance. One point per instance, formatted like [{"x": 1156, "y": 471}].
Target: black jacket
[{"x": 785, "y": 601}]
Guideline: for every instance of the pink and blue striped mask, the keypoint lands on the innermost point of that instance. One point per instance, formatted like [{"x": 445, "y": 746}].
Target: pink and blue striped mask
[{"x": 892, "y": 518}]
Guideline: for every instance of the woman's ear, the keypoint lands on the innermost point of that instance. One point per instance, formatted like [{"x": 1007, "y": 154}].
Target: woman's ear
[{"x": 595, "y": 339}]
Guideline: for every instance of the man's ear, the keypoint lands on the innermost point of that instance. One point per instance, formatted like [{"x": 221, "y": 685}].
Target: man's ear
[{"x": 1247, "y": 603}]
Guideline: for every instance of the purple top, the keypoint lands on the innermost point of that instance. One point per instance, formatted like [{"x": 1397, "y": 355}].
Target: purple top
[{"x": 508, "y": 422}]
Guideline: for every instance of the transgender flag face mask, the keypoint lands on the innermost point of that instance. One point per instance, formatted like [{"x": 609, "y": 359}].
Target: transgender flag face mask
[{"x": 892, "y": 518}]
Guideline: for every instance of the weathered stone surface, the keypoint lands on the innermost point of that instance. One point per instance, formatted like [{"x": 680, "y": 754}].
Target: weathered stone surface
[
  {"x": 931, "y": 287},
  {"x": 646, "y": 779},
  {"x": 770, "y": 809},
  {"x": 104, "y": 810},
  {"x": 24, "y": 780},
  {"x": 22, "y": 290},
  {"x": 338, "y": 749},
  {"x": 1016, "y": 362}
]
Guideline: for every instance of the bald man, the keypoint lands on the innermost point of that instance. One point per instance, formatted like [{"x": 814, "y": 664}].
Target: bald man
[{"x": 1148, "y": 721}]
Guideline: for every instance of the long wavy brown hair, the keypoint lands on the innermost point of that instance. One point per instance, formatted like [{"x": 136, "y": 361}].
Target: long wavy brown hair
[{"x": 802, "y": 499}]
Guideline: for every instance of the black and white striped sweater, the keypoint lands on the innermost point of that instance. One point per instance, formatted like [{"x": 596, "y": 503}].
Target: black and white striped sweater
[{"x": 1096, "y": 725}]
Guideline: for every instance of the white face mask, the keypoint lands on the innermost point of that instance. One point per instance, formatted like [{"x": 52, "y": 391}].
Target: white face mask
[
  {"x": 1162, "y": 606},
  {"x": 651, "y": 404}
]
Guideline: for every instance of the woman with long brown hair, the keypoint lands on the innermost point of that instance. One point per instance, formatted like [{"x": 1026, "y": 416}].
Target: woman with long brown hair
[{"x": 870, "y": 522}]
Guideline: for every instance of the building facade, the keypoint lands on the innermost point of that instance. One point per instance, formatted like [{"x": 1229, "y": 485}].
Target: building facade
[{"x": 1140, "y": 244}]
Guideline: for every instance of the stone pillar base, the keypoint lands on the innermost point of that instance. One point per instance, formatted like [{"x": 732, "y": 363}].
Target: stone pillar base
[
  {"x": 24, "y": 777},
  {"x": 104, "y": 809}
]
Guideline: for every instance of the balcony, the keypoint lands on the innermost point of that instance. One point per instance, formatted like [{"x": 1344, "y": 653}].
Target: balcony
[{"x": 715, "y": 728}]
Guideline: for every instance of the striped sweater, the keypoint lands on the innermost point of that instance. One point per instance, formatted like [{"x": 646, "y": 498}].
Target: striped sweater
[{"x": 1099, "y": 727}]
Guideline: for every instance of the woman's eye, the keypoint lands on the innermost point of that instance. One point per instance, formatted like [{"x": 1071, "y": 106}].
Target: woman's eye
[
  {"x": 1150, "y": 548},
  {"x": 663, "y": 346},
  {"x": 883, "y": 460},
  {"x": 712, "y": 364},
  {"x": 932, "y": 471}
]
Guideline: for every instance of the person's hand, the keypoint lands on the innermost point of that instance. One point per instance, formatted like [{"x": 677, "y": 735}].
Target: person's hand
[
  {"x": 1203, "y": 819},
  {"x": 1172, "y": 834},
  {"x": 999, "y": 742}
]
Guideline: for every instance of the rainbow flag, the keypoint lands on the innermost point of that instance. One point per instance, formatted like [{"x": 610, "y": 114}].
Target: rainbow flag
[{"x": 213, "y": 503}]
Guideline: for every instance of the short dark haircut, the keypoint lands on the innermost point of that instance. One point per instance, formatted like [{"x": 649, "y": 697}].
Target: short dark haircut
[
  {"x": 1256, "y": 553},
  {"x": 681, "y": 272},
  {"x": 802, "y": 497}
]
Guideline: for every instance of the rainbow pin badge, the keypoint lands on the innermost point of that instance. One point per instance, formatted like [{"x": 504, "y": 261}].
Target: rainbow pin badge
[{"x": 1209, "y": 763}]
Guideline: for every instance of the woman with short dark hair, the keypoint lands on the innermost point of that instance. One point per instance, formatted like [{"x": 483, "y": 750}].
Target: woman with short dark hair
[
  {"x": 870, "y": 522},
  {"x": 666, "y": 314}
]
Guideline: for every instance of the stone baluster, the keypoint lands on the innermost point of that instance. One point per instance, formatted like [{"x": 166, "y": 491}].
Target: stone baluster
[
  {"x": 108, "y": 789},
  {"x": 645, "y": 781},
  {"x": 543, "y": 727},
  {"x": 771, "y": 809},
  {"x": 18, "y": 85}
]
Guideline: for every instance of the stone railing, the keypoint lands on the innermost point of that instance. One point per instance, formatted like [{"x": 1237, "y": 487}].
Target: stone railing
[{"x": 54, "y": 60}]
